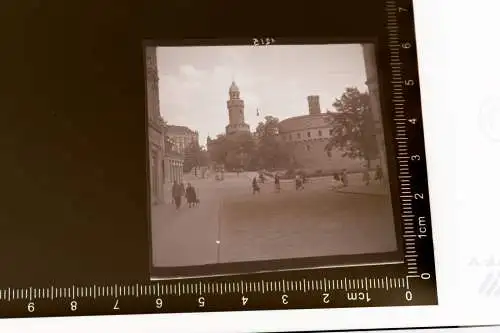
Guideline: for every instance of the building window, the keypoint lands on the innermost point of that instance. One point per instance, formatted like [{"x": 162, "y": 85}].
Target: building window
[
  {"x": 331, "y": 132},
  {"x": 320, "y": 133},
  {"x": 298, "y": 135},
  {"x": 308, "y": 134}
]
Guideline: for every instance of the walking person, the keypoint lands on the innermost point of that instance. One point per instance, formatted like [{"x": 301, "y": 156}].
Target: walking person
[
  {"x": 336, "y": 183},
  {"x": 366, "y": 177},
  {"x": 190, "y": 195},
  {"x": 343, "y": 178},
  {"x": 255, "y": 186},
  {"x": 378, "y": 174},
  {"x": 177, "y": 194},
  {"x": 277, "y": 186},
  {"x": 298, "y": 183}
]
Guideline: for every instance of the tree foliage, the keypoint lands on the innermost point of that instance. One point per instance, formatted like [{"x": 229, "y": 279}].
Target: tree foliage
[
  {"x": 353, "y": 126},
  {"x": 271, "y": 152},
  {"x": 243, "y": 150},
  {"x": 194, "y": 156}
]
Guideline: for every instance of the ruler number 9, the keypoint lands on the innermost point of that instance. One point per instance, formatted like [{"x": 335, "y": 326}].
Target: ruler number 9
[{"x": 159, "y": 303}]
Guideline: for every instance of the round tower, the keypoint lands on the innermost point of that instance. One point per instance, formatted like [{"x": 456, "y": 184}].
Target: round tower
[{"x": 236, "y": 111}]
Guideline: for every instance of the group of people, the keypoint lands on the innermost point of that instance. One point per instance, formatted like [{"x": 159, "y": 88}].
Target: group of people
[
  {"x": 179, "y": 191},
  {"x": 340, "y": 179}
]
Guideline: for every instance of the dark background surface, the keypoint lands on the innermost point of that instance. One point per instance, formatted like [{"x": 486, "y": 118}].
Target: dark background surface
[{"x": 73, "y": 168}]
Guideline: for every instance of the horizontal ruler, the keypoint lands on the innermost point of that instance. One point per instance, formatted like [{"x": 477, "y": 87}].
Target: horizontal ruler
[
  {"x": 190, "y": 296},
  {"x": 169, "y": 288}
]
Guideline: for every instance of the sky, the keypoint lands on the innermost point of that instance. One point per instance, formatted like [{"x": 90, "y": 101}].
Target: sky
[{"x": 194, "y": 81}]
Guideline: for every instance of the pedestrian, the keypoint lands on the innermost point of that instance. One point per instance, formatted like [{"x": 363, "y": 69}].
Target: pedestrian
[
  {"x": 298, "y": 183},
  {"x": 343, "y": 178},
  {"x": 177, "y": 194},
  {"x": 366, "y": 177},
  {"x": 255, "y": 186},
  {"x": 191, "y": 195},
  {"x": 277, "y": 186},
  {"x": 336, "y": 183},
  {"x": 378, "y": 174}
]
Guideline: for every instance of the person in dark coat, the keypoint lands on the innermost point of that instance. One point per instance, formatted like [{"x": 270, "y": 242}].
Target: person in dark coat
[
  {"x": 177, "y": 194},
  {"x": 378, "y": 174},
  {"x": 255, "y": 186},
  {"x": 191, "y": 195},
  {"x": 277, "y": 186}
]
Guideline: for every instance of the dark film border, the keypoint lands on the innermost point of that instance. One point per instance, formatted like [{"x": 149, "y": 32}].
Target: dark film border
[{"x": 388, "y": 126}]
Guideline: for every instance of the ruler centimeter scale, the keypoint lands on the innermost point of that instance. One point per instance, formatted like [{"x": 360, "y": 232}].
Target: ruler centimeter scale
[
  {"x": 334, "y": 290},
  {"x": 185, "y": 296},
  {"x": 415, "y": 227}
]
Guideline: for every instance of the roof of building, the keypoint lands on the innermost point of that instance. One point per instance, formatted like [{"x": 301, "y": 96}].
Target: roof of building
[
  {"x": 308, "y": 121},
  {"x": 175, "y": 129}
]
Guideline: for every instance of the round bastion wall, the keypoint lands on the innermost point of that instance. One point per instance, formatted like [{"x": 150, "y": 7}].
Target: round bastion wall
[{"x": 306, "y": 137}]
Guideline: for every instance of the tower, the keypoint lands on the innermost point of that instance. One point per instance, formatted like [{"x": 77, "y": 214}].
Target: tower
[
  {"x": 313, "y": 102},
  {"x": 236, "y": 112}
]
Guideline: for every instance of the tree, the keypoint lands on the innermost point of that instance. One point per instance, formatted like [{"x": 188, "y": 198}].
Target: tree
[
  {"x": 194, "y": 156},
  {"x": 353, "y": 127},
  {"x": 233, "y": 152},
  {"x": 271, "y": 151}
]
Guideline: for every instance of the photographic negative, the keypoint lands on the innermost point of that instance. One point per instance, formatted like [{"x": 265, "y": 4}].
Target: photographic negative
[{"x": 266, "y": 156}]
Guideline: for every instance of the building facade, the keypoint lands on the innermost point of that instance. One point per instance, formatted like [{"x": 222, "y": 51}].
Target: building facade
[
  {"x": 155, "y": 130},
  {"x": 306, "y": 138},
  {"x": 182, "y": 137},
  {"x": 163, "y": 163},
  {"x": 373, "y": 90}
]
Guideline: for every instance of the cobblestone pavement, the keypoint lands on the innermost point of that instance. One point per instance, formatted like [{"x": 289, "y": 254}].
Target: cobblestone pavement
[{"x": 269, "y": 225}]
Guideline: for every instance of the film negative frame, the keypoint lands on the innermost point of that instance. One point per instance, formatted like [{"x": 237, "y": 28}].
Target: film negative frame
[{"x": 410, "y": 283}]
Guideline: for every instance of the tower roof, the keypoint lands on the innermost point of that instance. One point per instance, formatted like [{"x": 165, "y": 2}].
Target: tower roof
[{"x": 234, "y": 87}]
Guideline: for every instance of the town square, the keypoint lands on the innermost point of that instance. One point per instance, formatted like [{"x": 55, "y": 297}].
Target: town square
[{"x": 264, "y": 186}]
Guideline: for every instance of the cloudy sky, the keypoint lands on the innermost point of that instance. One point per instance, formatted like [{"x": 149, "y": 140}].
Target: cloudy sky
[{"x": 194, "y": 81}]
